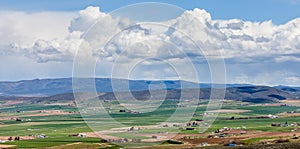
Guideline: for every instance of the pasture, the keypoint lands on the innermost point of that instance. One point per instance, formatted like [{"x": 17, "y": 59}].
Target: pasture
[{"x": 55, "y": 125}]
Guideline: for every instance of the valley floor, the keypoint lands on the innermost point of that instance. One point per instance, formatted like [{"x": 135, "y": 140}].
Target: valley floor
[{"x": 238, "y": 125}]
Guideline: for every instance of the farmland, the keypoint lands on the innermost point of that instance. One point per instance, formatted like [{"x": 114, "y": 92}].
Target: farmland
[{"x": 58, "y": 125}]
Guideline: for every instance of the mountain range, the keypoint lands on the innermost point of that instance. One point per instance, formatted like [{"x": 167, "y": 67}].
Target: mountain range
[
  {"x": 61, "y": 89},
  {"x": 48, "y": 87}
]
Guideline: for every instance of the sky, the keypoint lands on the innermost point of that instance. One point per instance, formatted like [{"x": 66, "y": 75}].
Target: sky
[
  {"x": 258, "y": 41},
  {"x": 279, "y": 11}
]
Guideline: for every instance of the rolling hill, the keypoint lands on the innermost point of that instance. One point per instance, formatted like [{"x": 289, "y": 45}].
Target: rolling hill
[
  {"x": 61, "y": 89},
  {"x": 48, "y": 87},
  {"x": 255, "y": 94}
]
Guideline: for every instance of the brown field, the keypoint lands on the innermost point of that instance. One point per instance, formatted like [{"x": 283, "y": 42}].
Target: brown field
[
  {"x": 290, "y": 101},
  {"x": 283, "y": 115},
  {"x": 80, "y": 145},
  {"x": 8, "y": 118},
  {"x": 6, "y": 146},
  {"x": 100, "y": 135},
  {"x": 12, "y": 102},
  {"x": 250, "y": 134},
  {"x": 21, "y": 137},
  {"x": 36, "y": 113},
  {"x": 3, "y": 125},
  {"x": 48, "y": 113},
  {"x": 270, "y": 104}
]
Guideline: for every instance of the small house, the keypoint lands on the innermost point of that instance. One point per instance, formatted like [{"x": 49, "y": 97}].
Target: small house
[
  {"x": 42, "y": 136},
  {"x": 221, "y": 135},
  {"x": 82, "y": 135}
]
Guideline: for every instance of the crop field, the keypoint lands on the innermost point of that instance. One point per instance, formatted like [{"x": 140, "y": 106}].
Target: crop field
[{"x": 60, "y": 125}]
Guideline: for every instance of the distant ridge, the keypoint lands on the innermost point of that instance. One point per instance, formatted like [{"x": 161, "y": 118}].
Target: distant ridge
[
  {"x": 48, "y": 87},
  {"x": 255, "y": 94},
  {"x": 61, "y": 89}
]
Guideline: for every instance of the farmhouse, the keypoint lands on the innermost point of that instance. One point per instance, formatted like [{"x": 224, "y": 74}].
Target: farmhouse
[
  {"x": 82, "y": 135},
  {"x": 42, "y": 136},
  {"x": 222, "y": 130},
  {"x": 272, "y": 116},
  {"x": 286, "y": 124},
  {"x": 291, "y": 112},
  {"x": 222, "y": 135}
]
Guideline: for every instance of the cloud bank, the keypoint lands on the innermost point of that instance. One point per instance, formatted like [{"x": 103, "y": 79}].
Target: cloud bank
[
  {"x": 56, "y": 37},
  {"x": 238, "y": 40}
]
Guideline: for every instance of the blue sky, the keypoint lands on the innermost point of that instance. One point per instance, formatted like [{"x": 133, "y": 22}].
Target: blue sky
[{"x": 279, "y": 11}]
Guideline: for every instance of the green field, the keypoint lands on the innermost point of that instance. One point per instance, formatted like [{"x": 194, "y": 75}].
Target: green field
[{"x": 58, "y": 127}]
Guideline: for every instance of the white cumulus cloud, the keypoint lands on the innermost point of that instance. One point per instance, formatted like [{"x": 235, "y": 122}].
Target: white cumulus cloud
[
  {"x": 47, "y": 37},
  {"x": 236, "y": 39}
]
